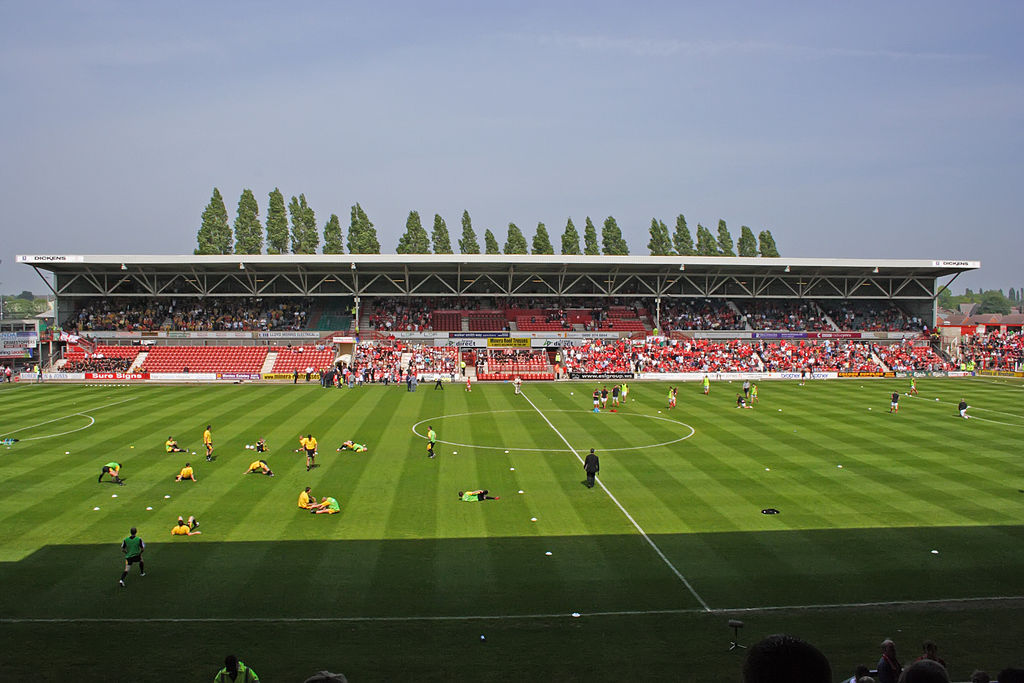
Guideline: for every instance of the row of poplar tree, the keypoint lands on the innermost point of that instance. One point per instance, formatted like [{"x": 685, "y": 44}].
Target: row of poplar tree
[{"x": 300, "y": 234}]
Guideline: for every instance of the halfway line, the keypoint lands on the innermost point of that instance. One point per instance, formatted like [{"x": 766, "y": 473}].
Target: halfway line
[{"x": 643, "y": 533}]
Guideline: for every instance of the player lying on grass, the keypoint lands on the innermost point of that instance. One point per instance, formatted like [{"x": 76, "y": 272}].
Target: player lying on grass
[
  {"x": 326, "y": 506},
  {"x": 742, "y": 402},
  {"x": 8, "y": 442},
  {"x": 114, "y": 470},
  {"x": 172, "y": 446},
  {"x": 353, "y": 446},
  {"x": 479, "y": 495},
  {"x": 259, "y": 467},
  {"x": 186, "y": 473},
  {"x": 183, "y": 528}
]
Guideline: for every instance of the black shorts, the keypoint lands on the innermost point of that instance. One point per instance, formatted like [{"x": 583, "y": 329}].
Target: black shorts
[
  {"x": 309, "y": 453},
  {"x": 133, "y": 560}
]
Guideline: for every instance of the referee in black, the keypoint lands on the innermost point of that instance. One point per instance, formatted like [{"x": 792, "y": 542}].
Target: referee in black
[{"x": 591, "y": 465}]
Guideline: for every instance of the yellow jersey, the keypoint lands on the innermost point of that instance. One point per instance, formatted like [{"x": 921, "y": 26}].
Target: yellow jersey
[
  {"x": 310, "y": 444},
  {"x": 169, "y": 445},
  {"x": 257, "y": 465},
  {"x": 304, "y": 500},
  {"x": 186, "y": 473},
  {"x": 180, "y": 530},
  {"x": 207, "y": 436}
]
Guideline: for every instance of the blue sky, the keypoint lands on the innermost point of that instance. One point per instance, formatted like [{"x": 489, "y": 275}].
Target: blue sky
[{"x": 848, "y": 129}]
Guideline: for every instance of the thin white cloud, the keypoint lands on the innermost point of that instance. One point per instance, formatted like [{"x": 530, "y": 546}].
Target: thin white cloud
[{"x": 653, "y": 47}]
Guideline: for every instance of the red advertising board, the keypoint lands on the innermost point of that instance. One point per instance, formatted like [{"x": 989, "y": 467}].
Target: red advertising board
[{"x": 117, "y": 375}]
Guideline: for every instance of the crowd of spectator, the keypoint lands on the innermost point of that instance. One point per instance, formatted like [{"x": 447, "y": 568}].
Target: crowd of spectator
[
  {"x": 872, "y": 316},
  {"x": 906, "y": 357},
  {"x": 780, "y": 314},
  {"x": 663, "y": 355},
  {"x": 827, "y": 356},
  {"x": 188, "y": 314},
  {"x": 98, "y": 364},
  {"x": 993, "y": 351},
  {"x": 383, "y": 362}
]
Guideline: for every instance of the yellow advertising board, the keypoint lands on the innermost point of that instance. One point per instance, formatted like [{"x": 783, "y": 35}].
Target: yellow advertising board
[{"x": 508, "y": 342}]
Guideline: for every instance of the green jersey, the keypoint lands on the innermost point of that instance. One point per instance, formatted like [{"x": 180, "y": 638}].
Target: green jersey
[
  {"x": 332, "y": 504},
  {"x": 132, "y": 546},
  {"x": 113, "y": 465},
  {"x": 431, "y": 436},
  {"x": 470, "y": 497}
]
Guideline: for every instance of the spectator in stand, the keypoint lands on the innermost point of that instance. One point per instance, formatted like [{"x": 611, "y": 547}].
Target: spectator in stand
[
  {"x": 929, "y": 650},
  {"x": 889, "y": 667},
  {"x": 786, "y": 659},
  {"x": 925, "y": 671}
]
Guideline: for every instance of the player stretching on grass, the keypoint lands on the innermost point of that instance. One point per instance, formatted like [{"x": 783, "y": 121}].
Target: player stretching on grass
[
  {"x": 186, "y": 529},
  {"x": 260, "y": 467},
  {"x": 132, "y": 547},
  {"x": 962, "y": 407},
  {"x": 208, "y": 442},
  {"x": 479, "y": 495},
  {"x": 353, "y": 446},
  {"x": 326, "y": 506},
  {"x": 172, "y": 446},
  {"x": 114, "y": 470}
]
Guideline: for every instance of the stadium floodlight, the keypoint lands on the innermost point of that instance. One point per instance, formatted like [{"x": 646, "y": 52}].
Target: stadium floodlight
[
  {"x": 241, "y": 266},
  {"x": 875, "y": 270},
  {"x": 124, "y": 267},
  {"x": 787, "y": 269},
  {"x": 682, "y": 266},
  {"x": 353, "y": 266}
]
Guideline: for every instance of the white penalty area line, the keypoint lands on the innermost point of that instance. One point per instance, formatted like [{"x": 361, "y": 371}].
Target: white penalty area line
[
  {"x": 937, "y": 602},
  {"x": 643, "y": 533},
  {"x": 64, "y": 417},
  {"x": 975, "y": 417}
]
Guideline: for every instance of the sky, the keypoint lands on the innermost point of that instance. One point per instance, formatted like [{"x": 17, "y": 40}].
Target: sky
[{"x": 856, "y": 129}]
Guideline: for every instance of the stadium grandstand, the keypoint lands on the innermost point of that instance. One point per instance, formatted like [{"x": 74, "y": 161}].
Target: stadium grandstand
[{"x": 382, "y": 317}]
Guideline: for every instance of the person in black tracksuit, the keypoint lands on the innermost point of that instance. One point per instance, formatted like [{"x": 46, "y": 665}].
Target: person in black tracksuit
[{"x": 591, "y": 465}]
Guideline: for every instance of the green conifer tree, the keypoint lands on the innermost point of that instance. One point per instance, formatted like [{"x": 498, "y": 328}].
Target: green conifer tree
[
  {"x": 333, "y": 243},
  {"x": 468, "y": 244},
  {"x": 491, "y": 242},
  {"x": 725, "y": 243},
  {"x": 439, "y": 236},
  {"x": 414, "y": 240},
  {"x": 590, "y": 245},
  {"x": 747, "y": 244},
  {"x": 682, "y": 240},
  {"x": 248, "y": 231},
  {"x": 277, "y": 224},
  {"x": 570, "y": 240},
  {"x": 515, "y": 243},
  {"x": 660, "y": 243},
  {"x": 214, "y": 235}
]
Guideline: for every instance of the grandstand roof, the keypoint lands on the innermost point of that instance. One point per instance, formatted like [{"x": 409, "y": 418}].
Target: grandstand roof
[{"x": 491, "y": 275}]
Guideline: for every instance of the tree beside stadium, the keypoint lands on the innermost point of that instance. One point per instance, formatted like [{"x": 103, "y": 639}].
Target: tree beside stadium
[
  {"x": 491, "y": 242},
  {"x": 570, "y": 239},
  {"x": 214, "y": 236},
  {"x": 468, "y": 243},
  {"x": 611, "y": 238},
  {"x": 682, "y": 240},
  {"x": 362, "y": 237},
  {"x": 747, "y": 244},
  {"x": 590, "y": 245},
  {"x": 248, "y": 231},
  {"x": 439, "y": 236},
  {"x": 706, "y": 244},
  {"x": 515, "y": 242},
  {"x": 660, "y": 243},
  {"x": 414, "y": 240},
  {"x": 333, "y": 243},
  {"x": 305, "y": 239},
  {"x": 277, "y": 224},
  {"x": 542, "y": 241},
  {"x": 768, "y": 247}
]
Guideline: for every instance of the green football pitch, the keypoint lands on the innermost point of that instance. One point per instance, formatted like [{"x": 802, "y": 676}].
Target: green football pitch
[{"x": 906, "y": 526}]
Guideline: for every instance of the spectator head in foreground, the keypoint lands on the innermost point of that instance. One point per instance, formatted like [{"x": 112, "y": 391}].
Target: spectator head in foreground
[
  {"x": 782, "y": 658},
  {"x": 1011, "y": 675},
  {"x": 925, "y": 671}
]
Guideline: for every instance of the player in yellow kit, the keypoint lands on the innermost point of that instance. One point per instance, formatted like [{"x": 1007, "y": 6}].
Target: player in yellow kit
[
  {"x": 208, "y": 442},
  {"x": 186, "y": 473}
]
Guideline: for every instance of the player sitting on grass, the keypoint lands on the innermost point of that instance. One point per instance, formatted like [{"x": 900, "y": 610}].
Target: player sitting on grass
[
  {"x": 741, "y": 402},
  {"x": 306, "y": 500},
  {"x": 172, "y": 446},
  {"x": 259, "y": 467},
  {"x": 326, "y": 506},
  {"x": 186, "y": 529},
  {"x": 479, "y": 495},
  {"x": 186, "y": 473},
  {"x": 353, "y": 446},
  {"x": 260, "y": 446},
  {"x": 114, "y": 470}
]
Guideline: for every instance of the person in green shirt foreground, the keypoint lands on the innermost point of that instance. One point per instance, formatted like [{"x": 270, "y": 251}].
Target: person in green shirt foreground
[
  {"x": 235, "y": 670},
  {"x": 132, "y": 546}
]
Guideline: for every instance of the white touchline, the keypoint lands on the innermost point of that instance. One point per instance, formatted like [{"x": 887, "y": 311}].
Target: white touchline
[
  {"x": 500, "y": 617},
  {"x": 56, "y": 419},
  {"x": 643, "y": 533},
  {"x": 975, "y": 417}
]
